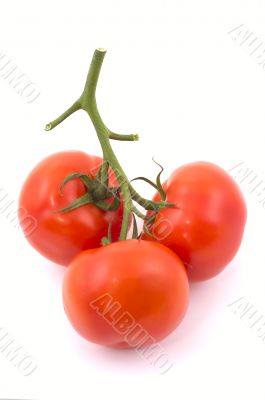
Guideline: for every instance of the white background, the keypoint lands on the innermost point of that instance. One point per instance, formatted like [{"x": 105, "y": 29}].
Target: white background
[{"x": 175, "y": 75}]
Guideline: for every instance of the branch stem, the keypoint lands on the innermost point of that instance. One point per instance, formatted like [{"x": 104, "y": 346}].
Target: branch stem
[{"x": 87, "y": 102}]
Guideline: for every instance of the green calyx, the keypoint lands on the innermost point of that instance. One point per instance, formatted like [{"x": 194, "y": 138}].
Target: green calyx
[{"x": 98, "y": 190}]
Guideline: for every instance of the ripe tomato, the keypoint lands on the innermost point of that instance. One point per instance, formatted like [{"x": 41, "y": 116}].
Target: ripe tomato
[
  {"x": 125, "y": 293},
  {"x": 206, "y": 227},
  {"x": 61, "y": 236}
]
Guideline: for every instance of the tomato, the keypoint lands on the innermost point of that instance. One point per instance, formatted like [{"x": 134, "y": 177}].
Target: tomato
[
  {"x": 61, "y": 236},
  {"x": 206, "y": 227},
  {"x": 126, "y": 293}
]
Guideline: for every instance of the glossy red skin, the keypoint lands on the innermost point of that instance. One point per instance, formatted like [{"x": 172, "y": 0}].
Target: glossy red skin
[
  {"x": 61, "y": 236},
  {"x": 147, "y": 279},
  {"x": 207, "y": 226}
]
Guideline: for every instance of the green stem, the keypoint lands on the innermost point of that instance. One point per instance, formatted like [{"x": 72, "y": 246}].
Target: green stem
[
  {"x": 102, "y": 178},
  {"x": 128, "y": 138},
  {"x": 89, "y": 93},
  {"x": 139, "y": 213},
  {"x": 75, "y": 107},
  {"x": 87, "y": 102},
  {"x": 109, "y": 156}
]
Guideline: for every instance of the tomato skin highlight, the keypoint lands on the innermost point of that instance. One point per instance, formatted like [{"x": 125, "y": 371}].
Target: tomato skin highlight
[
  {"x": 61, "y": 236},
  {"x": 144, "y": 279},
  {"x": 206, "y": 228}
]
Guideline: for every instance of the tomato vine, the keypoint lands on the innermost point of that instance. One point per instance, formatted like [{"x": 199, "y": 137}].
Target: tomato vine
[{"x": 100, "y": 189}]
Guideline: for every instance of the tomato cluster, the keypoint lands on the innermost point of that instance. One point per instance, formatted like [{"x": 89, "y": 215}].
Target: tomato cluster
[{"x": 121, "y": 291}]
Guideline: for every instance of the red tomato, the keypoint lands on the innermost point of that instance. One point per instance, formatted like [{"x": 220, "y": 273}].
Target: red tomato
[
  {"x": 206, "y": 227},
  {"x": 61, "y": 236},
  {"x": 125, "y": 293}
]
